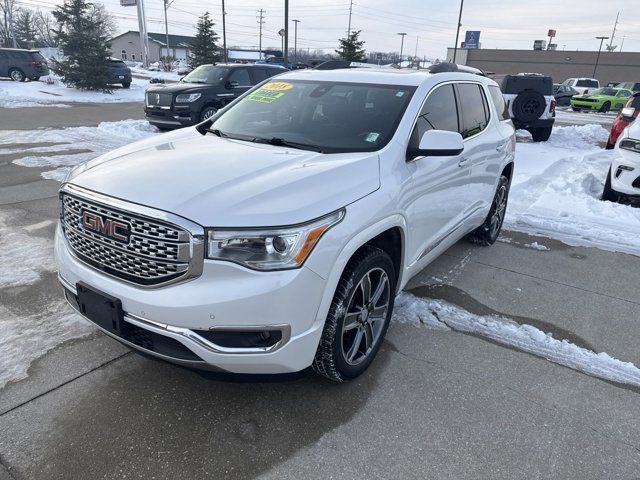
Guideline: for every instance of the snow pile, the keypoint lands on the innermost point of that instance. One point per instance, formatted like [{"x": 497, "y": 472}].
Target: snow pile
[
  {"x": 556, "y": 192},
  {"x": 37, "y": 94},
  {"x": 23, "y": 339},
  {"x": 417, "y": 310},
  {"x": 98, "y": 140},
  {"x": 23, "y": 258}
]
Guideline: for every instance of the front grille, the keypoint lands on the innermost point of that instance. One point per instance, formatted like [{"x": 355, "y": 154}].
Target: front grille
[
  {"x": 588, "y": 100},
  {"x": 154, "y": 252},
  {"x": 159, "y": 99}
]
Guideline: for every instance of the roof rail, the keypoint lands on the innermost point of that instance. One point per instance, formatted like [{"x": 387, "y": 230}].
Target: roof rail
[{"x": 445, "y": 67}]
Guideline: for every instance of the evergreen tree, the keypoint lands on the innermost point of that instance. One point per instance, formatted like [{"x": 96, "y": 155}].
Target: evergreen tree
[
  {"x": 83, "y": 42},
  {"x": 204, "y": 49},
  {"x": 351, "y": 49},
  {"x": 25, "y": 24}
]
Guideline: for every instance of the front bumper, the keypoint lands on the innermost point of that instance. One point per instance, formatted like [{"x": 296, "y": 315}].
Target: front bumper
[
  {"x": 625, "y": 174},
  {"x": 225, "y": 297},
  {"x": 171, "y": 117},
  {"x": 597, "y": 105}
]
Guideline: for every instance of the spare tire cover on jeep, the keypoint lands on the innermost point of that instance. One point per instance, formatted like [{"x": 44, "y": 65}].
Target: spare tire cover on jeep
[{"x": 529, "y": 103}]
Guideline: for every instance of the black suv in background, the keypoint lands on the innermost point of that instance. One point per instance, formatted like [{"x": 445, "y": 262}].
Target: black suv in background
[
  {"x": 201, "y": 93},
  {"x": 119, "y": 73},
  {"x": 21, "y": 64}
]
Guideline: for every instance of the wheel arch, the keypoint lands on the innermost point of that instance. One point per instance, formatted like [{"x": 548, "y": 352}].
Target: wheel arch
[{"x": 507, "y": 171}]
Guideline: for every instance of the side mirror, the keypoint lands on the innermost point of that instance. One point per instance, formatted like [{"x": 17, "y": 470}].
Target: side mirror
[
  {"x": 628, "y": 114},
  {"x": 439, "y": 143},
  {"x": 230, "y": 85}
]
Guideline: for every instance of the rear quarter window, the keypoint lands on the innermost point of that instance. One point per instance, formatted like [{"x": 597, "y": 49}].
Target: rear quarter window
[
  {"x": 498, "y": 101},
  {"x": 472, "y": 107}
]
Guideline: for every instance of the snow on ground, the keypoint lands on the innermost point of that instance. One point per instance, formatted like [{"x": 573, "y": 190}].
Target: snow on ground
[
  {"x": 23, "y": 338},
  {"x": 167, "y": 76},
  {"x": 568, "y": 116},
  {"x": 98, "y": 140},
  {"x": 556, "y": 192},
  {"x": 37, "y": 94},
  {"x": 445, "y": 316}
]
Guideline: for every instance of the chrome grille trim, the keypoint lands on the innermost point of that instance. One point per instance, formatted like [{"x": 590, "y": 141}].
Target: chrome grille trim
[{"x": 163, "y": 248}]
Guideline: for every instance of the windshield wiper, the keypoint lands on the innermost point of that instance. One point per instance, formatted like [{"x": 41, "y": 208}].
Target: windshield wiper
[{"x": 281, "y": 142}]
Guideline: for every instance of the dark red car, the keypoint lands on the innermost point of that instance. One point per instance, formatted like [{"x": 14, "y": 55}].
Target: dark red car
[{"x": 624, "y": 118}]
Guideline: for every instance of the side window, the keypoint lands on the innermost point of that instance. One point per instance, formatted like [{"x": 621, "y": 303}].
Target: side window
[
  {"x": 259, "y": 74},
  {"x": 498, "y": 101},
  {"x": 624, "y": 94},
  {"x": 438, "y": 113},
  {"x": 472, "y": 109},
  {"x": 240, "y": 75}
]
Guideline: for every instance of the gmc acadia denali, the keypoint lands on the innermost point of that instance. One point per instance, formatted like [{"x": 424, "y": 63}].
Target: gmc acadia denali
[{"x": 276, "y": 234}]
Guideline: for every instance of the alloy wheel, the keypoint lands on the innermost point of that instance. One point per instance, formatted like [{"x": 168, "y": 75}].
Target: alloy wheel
[
  {"x": 365, "y": 316},
  {"x": 499, "y": 207}
]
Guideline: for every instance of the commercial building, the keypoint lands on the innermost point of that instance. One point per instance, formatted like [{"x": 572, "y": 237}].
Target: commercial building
[
  {"x": 127, "y": 46},
  {"x": 560, "y": 65}
]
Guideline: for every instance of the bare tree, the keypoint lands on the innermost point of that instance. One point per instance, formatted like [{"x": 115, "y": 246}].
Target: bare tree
[
  {"x": 98, "y": 13},
  {"x": 8, "y": 11},
  {"x": 44, "y": 25}
]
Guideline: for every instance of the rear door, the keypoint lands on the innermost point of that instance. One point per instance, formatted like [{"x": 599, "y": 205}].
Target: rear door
[
  {"x": 240, "y": 79},
  {"x": 438, "y": 193},
  {"x": 483, "y": 143}
]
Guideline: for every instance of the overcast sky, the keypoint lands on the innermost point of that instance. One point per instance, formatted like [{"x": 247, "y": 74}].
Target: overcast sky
[{"x": 503, "y": 23}]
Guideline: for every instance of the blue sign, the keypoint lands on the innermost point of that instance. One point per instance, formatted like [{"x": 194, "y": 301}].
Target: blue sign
[{"x": 472, "y": 39}]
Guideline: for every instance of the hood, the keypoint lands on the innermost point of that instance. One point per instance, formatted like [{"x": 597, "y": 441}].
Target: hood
[
  {"x": 180, "y": 87},
  {"x": 221, "y": 182}
]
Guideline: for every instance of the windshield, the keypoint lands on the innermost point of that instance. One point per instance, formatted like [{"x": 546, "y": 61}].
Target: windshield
[
  {"x": 611, "y": 92},
  {"x": 587, "y": 83},
  {"x": 326, "y": 116},
  {"x": 209, "y": 74}
]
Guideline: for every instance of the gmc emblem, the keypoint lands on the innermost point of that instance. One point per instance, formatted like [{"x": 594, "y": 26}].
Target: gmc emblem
[{"x": 107, "y": 227}]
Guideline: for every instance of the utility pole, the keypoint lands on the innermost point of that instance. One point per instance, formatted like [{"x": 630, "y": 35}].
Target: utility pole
[
  {"x": 613, "y": 34},
  {"x": 455, "y": 47},
  {"x": 286, "y": 33},
  {"x": 415, "y": 54},
  {"x": 295, "y": 41},
  {"x": 350, "y": 12},
  {"x": 402, "y": 34},
  {"x": 602, "y": 39},
  {"x": 260, "y": 23},
  {"x": 224, "y": 33},
  {"x": 144, "y": 39},
  {"x": 166, "y": 27}
]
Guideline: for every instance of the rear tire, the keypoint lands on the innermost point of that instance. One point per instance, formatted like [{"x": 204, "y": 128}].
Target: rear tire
[
  {"x": 576, "y": 109},
  {"x": 17, "y": 75},
  {"x": 358, "y": 317},
  {"x": 541, "y": 134},
  {"x": 606, "y": 106},
  {"x": 487, "y": 233},
  {"x": 609, "y": 194},
  {"x": 609, "y": 145}
]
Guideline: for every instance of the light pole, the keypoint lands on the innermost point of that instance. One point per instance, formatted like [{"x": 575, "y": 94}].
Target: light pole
[
  {"x": 455, "y": 47},
  {"x": 166, "y": 28},
  {"x": 595, "y": 67},
  {"x": 295, "y": 41},
  {"x": 286, "y": 33},
  {"x": 402, "y": 34},
  {"x": 224, "y": 33}
]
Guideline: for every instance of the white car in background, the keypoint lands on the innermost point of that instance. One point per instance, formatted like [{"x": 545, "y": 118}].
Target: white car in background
[
  {"x": 623, "y": 178},
  {"x": 276, "y": 234},
  {"x": 582, "y": 85}
]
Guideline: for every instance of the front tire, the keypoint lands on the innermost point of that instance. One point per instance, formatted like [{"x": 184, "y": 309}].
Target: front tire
[
  {"x": 606, "y": 106},
  {"x": 17, "y": 75},
  {"x": 609, "y": 146},
  {"x": 207, "y": 113},
  {"x": 358, "y": 317},
  {"x": 541, "y": 134},
  {"x": 487, "y": 233},
  {"x": 609, "y": 194},
  {"x": 126, "y": 84}
]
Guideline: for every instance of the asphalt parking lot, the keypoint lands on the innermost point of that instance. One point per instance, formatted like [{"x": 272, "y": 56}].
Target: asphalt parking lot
[{"x": 434, "y": 404}]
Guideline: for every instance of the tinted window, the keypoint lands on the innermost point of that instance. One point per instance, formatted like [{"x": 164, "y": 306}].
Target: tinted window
[
  {"x": 259, "y": 74},
  {"x": 240, "y": 75},
  {"x": 36, "y": 57},
  {"x": 438, "y": 112},
  {"x": 474, "y": 119},
  {"x": 335, "y": 117},
  {"x": 498, "y": 101},
  {"x": 209, "y": 74},
  {"x": 624, "y": 93},
  {"x": 587, "y": 83}
]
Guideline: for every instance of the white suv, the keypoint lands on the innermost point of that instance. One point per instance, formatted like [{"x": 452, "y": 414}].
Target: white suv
[
  {"x": 623, "y": 178},
  {"x": 276, "y": 234}
]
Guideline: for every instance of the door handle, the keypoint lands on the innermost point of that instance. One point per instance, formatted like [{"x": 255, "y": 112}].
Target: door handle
[{"x": 463, "y": 162}]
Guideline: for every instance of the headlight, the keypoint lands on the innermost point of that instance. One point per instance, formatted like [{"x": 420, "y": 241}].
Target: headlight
[
  {"x": 187, "y": 97},
  {"x": 270, "y": 248},
  {"x": 631, "y": 145}
]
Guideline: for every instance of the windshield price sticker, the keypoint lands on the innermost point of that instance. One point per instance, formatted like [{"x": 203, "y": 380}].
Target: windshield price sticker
[
  {"x": 263, "y": 96},
  {"x": 277, "y": 86}
]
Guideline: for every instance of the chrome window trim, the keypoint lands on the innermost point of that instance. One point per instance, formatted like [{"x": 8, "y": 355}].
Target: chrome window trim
[{"x": 196, "y": 233}]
